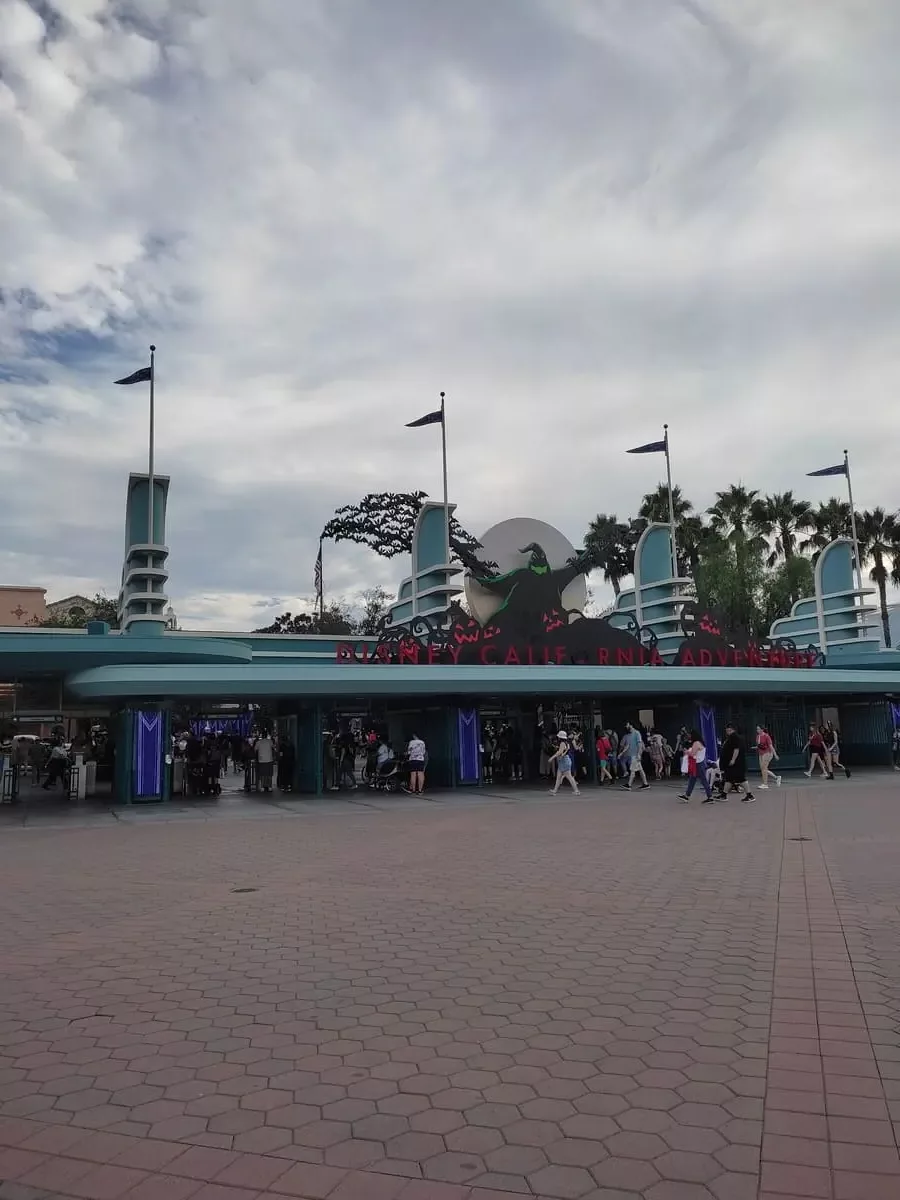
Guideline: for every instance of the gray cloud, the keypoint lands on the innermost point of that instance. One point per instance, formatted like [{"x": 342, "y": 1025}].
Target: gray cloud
[{"x": 579, "y": 217}]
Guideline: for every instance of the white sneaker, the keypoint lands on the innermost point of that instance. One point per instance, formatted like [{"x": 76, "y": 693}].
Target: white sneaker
[
  {"x": 778, "y": 781},
  {"x": 763, "y": 787},
  {"x": 808, "y": 774}
]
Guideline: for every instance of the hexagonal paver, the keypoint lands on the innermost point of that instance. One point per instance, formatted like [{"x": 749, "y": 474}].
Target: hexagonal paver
[
  {"x": 515, "y": 1160},
  {"x": 635, "y": 1145},
  {"x": 576, "y": 1152},
  {"x": 686, "y": 1166},
  {"x": 321, "y": 1134},
  {"x": 453, "y": 1167},
  {"x": 415, "y": 1147},
  {"x": 474, "y": 1139},
  {"x": 627, "y": 1174},
  {"x": 531, "y": 1133},
  {"x": 587, "y": 1127},
  {"x": 567, "y": 1183},
  {"x": 292, "y": 1116}
]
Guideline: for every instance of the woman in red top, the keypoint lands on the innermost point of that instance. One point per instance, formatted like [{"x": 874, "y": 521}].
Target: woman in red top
[
  {"x": 765, "y": 747},
  {"x": 604, "y": 754},
  {"x": 815, "y": 744}
]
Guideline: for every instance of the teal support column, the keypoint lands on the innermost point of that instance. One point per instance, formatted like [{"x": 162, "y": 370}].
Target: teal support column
[
  {"x": 309, "y": 751},
  {"x": 122, "y": 781}
]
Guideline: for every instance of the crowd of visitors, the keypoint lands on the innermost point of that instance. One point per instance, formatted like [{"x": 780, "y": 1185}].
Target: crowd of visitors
[
  {"x": 260, "y": 756},
  {"x": 637, "y": 757},
  {"x": 386, "y": 764},
  {"x": 354, "y": 757}
]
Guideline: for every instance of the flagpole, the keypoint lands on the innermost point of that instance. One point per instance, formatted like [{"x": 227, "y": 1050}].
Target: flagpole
[
  {"x": 446, "y": 502},
  {"x": 321, "y": 580},
  {"x": 853, "y": 532},
  {"x": 671, "y": 503},
  {"x": 151, "y": 523}
]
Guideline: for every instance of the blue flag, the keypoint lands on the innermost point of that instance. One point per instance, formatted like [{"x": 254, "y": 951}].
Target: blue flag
[
  {"x": 840, "y": 469},
  {"x": 142, "y": 376},
  {"x": 649, "y": 448},
  {"x": 432, "y": 418}
]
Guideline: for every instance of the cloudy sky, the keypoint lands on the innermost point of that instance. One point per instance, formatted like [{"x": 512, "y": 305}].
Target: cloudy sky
[{"x": 580, "y": 218}]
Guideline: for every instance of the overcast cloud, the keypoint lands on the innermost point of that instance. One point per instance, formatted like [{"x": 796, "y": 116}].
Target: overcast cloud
[{"x": 580, "y": 218}]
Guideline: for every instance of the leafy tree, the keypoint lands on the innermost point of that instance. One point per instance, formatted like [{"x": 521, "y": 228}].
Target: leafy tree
[
  {"x": 334, "y": 620},
  {"x": 655, "y": 505},
  {"x": 733, "y": 579},
  {"x": 609, "y": 547},
  {"x": 879, "y": 543},
  {"x": 102, "y": 608},
  {"x": 790, "y": 581},
  {"x": 782, "y": 518},
  {"x": 384, "y": 521},
  {"x": 375, "y": 606}
]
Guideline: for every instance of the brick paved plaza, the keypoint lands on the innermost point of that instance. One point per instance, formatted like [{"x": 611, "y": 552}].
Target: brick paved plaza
[{"x": 612, "y": 998}]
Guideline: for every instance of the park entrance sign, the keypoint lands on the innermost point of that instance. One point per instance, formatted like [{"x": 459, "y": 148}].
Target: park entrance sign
[{"x": 530, "y": 624}]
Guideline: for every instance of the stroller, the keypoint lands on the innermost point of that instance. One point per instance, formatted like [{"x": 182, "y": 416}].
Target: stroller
[{"x": 391, "y": 776}]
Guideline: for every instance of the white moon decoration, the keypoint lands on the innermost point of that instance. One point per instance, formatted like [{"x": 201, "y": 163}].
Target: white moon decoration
[{"x": 503, "y": 544}]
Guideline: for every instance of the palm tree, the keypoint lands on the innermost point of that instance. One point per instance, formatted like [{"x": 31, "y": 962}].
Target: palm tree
[
  {"x": 781, "y": 517},
  {"x": 879, "y": 539},
  {"x": 731, "y": 515},
  {"x": 610, "y": 545},
  {"x": 829, "y": 521},
  {"x": 695, "y": 539},
  {"x": 655, "y": 505}
]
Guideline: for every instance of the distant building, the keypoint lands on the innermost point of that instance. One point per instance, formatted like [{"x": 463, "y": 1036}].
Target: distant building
[
  {"x": 74, "y": 608},
  {"x": 22, "y": 606}
]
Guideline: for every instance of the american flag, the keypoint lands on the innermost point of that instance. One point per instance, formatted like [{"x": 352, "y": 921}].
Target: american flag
[{"x": 317, "y": 576}]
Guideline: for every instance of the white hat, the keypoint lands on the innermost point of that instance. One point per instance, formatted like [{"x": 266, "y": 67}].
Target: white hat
[{"x": 562, "y": 736}]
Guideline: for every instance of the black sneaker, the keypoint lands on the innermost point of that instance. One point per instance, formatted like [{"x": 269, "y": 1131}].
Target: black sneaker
[
  {"x": 748, "y": 799},
  {"x": 709, "y": 800},
  {"x": 847, "y": 772},
  {"x": 644, "y": 786}
]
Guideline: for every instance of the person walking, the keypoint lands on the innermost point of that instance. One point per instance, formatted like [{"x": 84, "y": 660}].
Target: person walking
[
  {"x": 287, "y": 757},
  {"x": 765, "y": 748},
  {"x": 57, "y": 766},
  {"x": 265, "y": 760},
  {"x": 604, "y": 751},
  {"x": 487, "y": 755},
  {"x": 833, "y": 751},
  {"x": 895, "y": 748},
  {"x": 657, "y": 753},
  {"x": 632, "y": 745},
  {"x": 815, "y": 745},
  {"x": 733, "y": 761},
  {"x": 694, "y": 766},
  {"x": 682, "y": 745},
  {"x": 416, "y": 754},
  {"x": 563, "y": 761}
]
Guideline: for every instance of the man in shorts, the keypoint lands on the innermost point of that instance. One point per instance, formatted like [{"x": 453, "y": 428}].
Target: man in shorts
[{"x": 733, "y": 761}]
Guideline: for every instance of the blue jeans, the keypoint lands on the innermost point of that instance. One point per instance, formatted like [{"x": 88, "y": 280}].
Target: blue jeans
[{"x": 692, "y": 781}]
